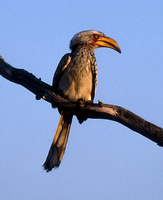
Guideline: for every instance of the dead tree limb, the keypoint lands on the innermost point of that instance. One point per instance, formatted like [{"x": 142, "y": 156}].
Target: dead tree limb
[{"x": 84, "y": 110}]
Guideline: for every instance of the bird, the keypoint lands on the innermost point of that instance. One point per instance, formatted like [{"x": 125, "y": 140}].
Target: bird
[{"x": 75, "y": 79}]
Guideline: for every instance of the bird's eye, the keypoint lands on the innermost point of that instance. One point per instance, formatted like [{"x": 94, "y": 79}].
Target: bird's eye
[{"x": 96, "y": 37}]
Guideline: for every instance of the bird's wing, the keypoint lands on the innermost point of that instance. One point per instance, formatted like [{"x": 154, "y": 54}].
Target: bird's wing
[
  {"x": 65, "y": 60},
  {"x": 94, "y": 77}
]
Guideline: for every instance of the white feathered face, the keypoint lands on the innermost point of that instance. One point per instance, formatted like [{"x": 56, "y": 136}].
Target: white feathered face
[
  {"x": 94, "y": 39},
  {"x": 85, "y": 37}
]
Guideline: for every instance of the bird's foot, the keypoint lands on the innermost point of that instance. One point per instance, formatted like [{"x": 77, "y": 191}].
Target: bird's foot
[{"x": 84, "y": 102}]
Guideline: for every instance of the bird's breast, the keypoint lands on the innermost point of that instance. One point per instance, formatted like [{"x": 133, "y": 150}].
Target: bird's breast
[{"x": 77, "y": 82}]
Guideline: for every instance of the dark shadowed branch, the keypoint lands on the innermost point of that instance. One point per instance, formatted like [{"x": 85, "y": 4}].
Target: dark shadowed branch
[{"x": 82, "y": 110}]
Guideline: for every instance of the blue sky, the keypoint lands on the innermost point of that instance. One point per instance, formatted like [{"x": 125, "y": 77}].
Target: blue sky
[{"x": 103, "y": 159}]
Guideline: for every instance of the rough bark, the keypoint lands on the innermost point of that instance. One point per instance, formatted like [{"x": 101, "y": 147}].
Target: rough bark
[{"x": 82, "y": 110}]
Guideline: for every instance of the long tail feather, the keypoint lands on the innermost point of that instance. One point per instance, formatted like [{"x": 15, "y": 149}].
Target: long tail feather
[{"x": 58, "y": 145}]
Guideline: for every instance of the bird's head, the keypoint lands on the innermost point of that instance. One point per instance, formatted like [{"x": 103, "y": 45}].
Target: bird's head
[{"x": 93, "y": 39}]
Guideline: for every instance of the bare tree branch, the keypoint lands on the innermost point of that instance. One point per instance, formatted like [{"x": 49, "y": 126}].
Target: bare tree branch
[{"x": 81, "y": 110}]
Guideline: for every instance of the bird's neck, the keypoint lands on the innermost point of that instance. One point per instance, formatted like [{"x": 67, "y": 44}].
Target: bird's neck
[{"x": 84, "y": 51}]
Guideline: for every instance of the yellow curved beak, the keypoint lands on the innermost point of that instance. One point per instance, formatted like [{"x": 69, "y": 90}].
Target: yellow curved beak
[{"x": 104, "y": 41}]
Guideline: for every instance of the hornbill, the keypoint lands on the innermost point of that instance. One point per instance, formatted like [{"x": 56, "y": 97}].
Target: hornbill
[{"x": 75, "y": 79}]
